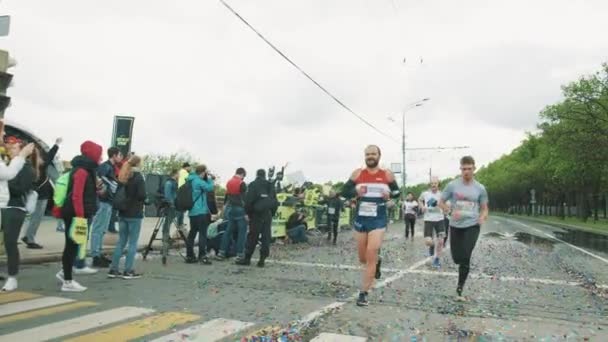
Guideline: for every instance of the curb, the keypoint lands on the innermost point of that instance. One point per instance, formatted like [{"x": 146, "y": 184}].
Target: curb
[
  {"x": 556, "y": 224},
  {"x": 56, "y": 256}
]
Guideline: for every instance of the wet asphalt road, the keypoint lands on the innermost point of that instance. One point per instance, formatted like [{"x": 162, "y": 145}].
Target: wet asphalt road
[{"x": 524, "y": 285}]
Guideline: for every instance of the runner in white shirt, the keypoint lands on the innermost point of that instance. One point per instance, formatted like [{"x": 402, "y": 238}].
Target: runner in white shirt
[
  {"x": 433, "y": 220},
  {"x": 409, "y": 210}
]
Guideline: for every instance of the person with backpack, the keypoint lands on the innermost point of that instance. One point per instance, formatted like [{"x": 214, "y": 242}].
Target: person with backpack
[
  {"x": 197, "y": 185},
  {"x": 260, "y": 205},
  {"x": 80, "y": 204},
  {"x": 130, "y": 199},
  {"x": 44, "y": 187},
  {"x": 102, "y": 218},
  {"x": 13, "y": 210}
]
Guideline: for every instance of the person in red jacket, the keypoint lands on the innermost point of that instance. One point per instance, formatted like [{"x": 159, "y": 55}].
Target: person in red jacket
[{"x": 81, "y": 203}]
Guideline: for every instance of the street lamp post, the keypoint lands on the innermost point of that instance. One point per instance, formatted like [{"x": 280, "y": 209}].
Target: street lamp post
[{"x": 410, "y": 107}]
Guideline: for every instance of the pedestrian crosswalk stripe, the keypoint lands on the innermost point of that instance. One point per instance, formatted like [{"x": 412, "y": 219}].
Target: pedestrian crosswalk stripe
[
  {"x": 327, "y": 337},
  {"x": 45, "y": 312},
  {"x": 16, "y": 296},
  {"x": 211, "y": 331},
  {"x": 146, "y": 326},
  {"x": 76, "y": 325},
  {"x": 32, "y": 304}
]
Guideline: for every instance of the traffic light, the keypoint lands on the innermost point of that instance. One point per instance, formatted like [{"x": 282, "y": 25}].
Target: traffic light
[{"x": 6, "y": 62}]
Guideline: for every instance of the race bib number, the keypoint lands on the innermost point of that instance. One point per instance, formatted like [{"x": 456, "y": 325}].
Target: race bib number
[
  {"x": 465, "y": 206},
  {"x": 331, "y": 211},
  {"x": 368, "y": 209}
]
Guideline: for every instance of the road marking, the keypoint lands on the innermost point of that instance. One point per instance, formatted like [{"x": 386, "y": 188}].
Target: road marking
[
  {"x": 68, "y": 327},
  {"x": 211, "y": 331},
  {"x": 306, "y": 320},
  {"x": 32, "y": 304},
  {"x": 562, "y": 241},
  {"x": 16, "y": 296},
  {"x": 146, "y": 326},
  {"x": 505, "y": 278},
  {"x": 45, "y": 312},
  {"x": 320, "y": 265},
  {"x": 327, "y": 337}
]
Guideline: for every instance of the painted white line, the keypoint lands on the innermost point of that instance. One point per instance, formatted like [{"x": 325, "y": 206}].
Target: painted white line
[
  {"x": 306, "y": 320},
  {"x": 327, "y": 337},
  {"x": 211, "y": 331},
  {"x": 68, "y": 327},
  {"x": 33, "y": 304},
  {"x": 505, "y": 278},
  {"x": 320, "y": 265},
  {"x": 562, "y": 241}
]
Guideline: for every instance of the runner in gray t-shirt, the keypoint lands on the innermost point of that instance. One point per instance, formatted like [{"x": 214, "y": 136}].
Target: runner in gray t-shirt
[{"x": 469, "y": 202}]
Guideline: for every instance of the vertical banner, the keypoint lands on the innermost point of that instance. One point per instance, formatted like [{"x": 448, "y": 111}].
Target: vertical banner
[{"x": 122, "y": 133}]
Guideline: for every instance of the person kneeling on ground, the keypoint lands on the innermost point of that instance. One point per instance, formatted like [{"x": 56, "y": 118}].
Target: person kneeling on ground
[{"x": 296, "y": 227}]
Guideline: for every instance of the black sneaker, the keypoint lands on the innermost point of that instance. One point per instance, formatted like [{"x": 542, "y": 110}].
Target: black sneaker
[
  {"x": 131, "y": 275},
  {"x": 191, "y": 260},
  {"x": 243, "y": 262},
  {"x": 261, "y": 263},
  {"x": 33, "y": 245},
  {"x": 362, "y": 300},
  {"x": 204, "y": 261},
  {"x": 100, "y": 262},
  {"x": 459, "y": 296},
  {"x": 113, "y": 274},
  {"x": 378, "y": 272}
]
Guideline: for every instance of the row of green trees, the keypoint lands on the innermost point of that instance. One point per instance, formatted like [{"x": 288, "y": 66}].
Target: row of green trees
[{"x": 565, "y": 162}]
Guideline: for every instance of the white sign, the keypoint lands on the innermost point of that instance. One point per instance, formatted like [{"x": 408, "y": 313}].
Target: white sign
[
  {"x": 396, "y": 167},
  {"x": 5, "y": 25}
]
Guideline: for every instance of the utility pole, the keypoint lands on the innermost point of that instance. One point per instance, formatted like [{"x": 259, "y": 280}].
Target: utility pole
[{"x": 403, "y": 149}]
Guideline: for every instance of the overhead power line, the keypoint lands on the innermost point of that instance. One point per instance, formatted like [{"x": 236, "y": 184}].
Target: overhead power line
[{"x": 304, "y": 72}]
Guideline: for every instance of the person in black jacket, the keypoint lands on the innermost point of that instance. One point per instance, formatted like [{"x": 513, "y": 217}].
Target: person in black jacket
[
  {"x": 260, "y": 205},
  {"x": 14, "y": 214},
  {"x": 81, "y": 202},
  {"x": 334, "y": 208},
  {"x": 45, "y": 191},
  {"x": 131, "y": 216}
]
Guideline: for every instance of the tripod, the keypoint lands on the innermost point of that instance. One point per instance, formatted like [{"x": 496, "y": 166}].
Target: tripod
[{"x": 159, "y": 225}]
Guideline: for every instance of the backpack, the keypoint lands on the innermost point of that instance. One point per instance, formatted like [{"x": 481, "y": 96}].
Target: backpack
[
  {"x": 184, "y": 200},
  {"x": 61, "y": 189},
  {"x": 120, "y": 201}
]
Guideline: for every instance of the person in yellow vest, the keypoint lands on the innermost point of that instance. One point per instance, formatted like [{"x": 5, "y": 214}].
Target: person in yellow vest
[{"x": 183, "y": 175}]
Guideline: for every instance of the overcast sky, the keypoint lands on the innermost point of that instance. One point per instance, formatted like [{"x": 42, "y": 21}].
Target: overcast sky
[{"x": 198, "y": 80}]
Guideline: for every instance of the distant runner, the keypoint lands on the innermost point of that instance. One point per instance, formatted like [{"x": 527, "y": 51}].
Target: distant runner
[
  {"x": 434, "y": 224},
  {"x": 373, "y": 187},
  {"x": 409, "y": 209},
  {"x": 469, "y": 201}
]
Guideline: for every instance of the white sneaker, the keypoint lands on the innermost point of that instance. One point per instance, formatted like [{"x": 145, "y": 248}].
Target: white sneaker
[
  {"x": 10, "y": 285},
  {"x": 72, "y": 286},
  {"x": 59, "y": 276},
  {"x": 85, "y": 271}
]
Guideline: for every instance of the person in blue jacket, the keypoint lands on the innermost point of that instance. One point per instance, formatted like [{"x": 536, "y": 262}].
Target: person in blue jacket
[{"x": 200, "y": 216}]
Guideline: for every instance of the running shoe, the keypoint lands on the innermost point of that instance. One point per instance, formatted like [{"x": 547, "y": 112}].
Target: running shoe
[{"x": 362, "y": 300}]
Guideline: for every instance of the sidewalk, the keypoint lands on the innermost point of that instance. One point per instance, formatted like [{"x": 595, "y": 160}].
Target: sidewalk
[{"x": 53, "y": 242}]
